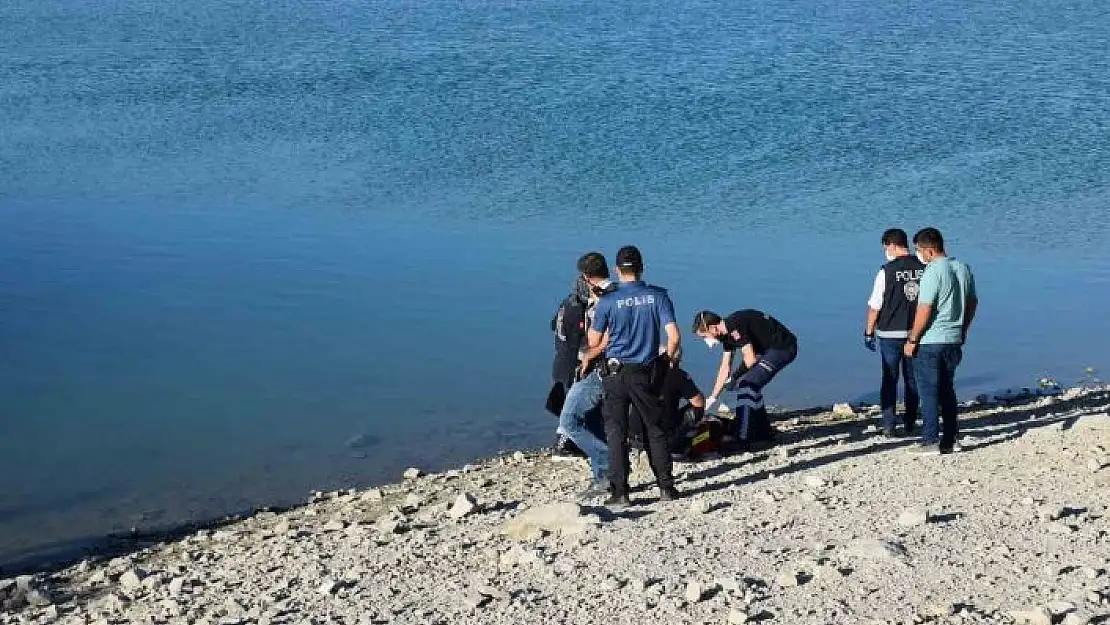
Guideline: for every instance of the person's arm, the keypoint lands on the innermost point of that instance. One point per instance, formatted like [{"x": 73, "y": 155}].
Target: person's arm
[
  {"x": 722, "y": 379},
  {"x": 674, "y": 342},
  {"x": 592, "y": 352},
  {"x": 666, "y": 317},
  {"x": 750, "y": 357},
  {"x": 971, "y": 306},
  {"x": 920, "y": 324},
  {"x": 875, "y": 303}
]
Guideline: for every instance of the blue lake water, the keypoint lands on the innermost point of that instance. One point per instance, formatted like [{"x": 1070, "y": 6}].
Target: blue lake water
[{"x": 253, "y": 248}]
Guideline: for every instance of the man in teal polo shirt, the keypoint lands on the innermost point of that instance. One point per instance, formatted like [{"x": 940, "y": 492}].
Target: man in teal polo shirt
[{"x": 946, "y": 305}]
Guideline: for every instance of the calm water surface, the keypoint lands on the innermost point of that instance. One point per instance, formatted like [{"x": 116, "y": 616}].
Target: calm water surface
[{"x": 249, "y": 249}]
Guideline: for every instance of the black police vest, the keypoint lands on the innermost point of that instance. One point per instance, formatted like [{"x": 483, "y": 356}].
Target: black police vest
[{"x": 903, "y": 278}]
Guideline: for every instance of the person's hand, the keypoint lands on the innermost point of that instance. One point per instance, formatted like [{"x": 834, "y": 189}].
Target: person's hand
[
  {"x": 910, "y": 349},
  {"x": 869, "y": 341},
  {"x": 580, "y": 372}
]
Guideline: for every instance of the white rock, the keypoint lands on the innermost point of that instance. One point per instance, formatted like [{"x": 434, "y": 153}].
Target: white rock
[
  {"x": 1059, "y": 528},
  {"x": 560, "y": 518},
  {"x": 493, "y": 592},
  {"x": 464, "y": 504},
  {"x": 1076, "y": 619},
  {"x": 1052, "y": 513},
  {"x": 412, "y": 473},
  {"x": 132, "y": 580},
  {"x": 637, "y": 584},
  {"x": 1060, "y": 608},
  {"x": 913, "y": 517},
  {"x": 413, "y": 500},
  {"x": 1096, "y": 464},
  {"x": 694, "y": 592},
  {"x": 843, "y": 409},
  {"x": 788, "y": 579},
  {"x": 519, "y": 456},
  {"x": 474, "y": 600},
  {"x": 737, "y": 617},
  {"x": 730, "y": 584},
  {"x": 328, "y": 587},
  {"x": 698, "y": 507},
  {"x": 1036, "y": 616},
  {"x": 177, "y": 584},
  {"x": 611, "y": 584},
  {"x": 873, "y": 549},
  {"x": 335, "y": 525},
  {"x": 815, "y": 481},
  {"x": 374, "y": 494}
]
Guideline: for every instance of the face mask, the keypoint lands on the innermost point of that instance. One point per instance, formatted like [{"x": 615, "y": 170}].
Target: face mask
[
  {"x": 922, "y": 259},
  {"x": 710, "y": 343},
  {"x": 890, "y": 257}
]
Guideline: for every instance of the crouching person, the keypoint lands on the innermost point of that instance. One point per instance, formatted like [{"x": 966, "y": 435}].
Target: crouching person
[{"x": 766, "y": 346}]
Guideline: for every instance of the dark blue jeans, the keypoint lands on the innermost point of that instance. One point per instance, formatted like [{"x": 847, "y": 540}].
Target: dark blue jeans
[
  {"x": 896, "y": 365},
  {"x": 935, "y": 369}
]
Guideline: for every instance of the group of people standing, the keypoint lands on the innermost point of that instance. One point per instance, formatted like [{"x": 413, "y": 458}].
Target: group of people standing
[{"x": 618, "y": 376}]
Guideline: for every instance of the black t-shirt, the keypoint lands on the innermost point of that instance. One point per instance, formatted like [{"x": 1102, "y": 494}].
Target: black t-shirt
[{"x": 759, "y": 329}]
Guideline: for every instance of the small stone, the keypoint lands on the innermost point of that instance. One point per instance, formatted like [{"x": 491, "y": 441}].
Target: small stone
[
  {"x": 871, "y": 549},
  {"x": 1076, "y": 619},
  {"x": 913, "y": 517},
  {"x": 737, "y": 617},
  {"x": 474, "y": 600},
  {"x": 1059, "y": 528},
  {"x": 328, "y": 587},
  {"x": 464, "y": 504},
  {"x": 694, "y": 592},
  {"x": 871, "y": 429},
  {"x": 386, "y": 525},
  {"x": 1052, "y": 513},
  {"x": 843, "y": 410},
  {"x": 611, "y": 584},
  {"x": 38, "y": 598},
  {"x": 412, "y": 473},
  {"x": 826, "y": 571},
  {"x": 1090, "y": 572},
  {"x": 637, "y": 584},
  {"x": 815, "y": 481},
  {"x": 334, "y": 525},
  {"x": 177, "y": 584},
  {"x": 374, "y": 494},
  {"x": 1036, "y": 616},
  {"x": 782, "y": 453},
  {"x": 1060, "y": 608},
  {"x": 132, "y": 580},
  {"x": 413, "y": 501},
  {"x": 1094, "y": 597},
  {"x": 492, "y": 592},
  {"x": 698, "y": 507},
  {"x": 788, "y": 579},
  {"x": 519, "y": 456},
  {"x": 1096, "y": 464}
]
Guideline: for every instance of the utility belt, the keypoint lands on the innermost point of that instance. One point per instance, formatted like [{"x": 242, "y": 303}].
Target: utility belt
[{"x": 609, "y": 367}]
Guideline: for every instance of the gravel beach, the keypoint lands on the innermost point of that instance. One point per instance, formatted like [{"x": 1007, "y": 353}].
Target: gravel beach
[{"x": 834, "y": 525}]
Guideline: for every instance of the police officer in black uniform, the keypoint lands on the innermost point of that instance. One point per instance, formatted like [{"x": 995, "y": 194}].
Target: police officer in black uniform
[
  {"x": 629, "y": 323},
  {"x": 890, "y": 313}
]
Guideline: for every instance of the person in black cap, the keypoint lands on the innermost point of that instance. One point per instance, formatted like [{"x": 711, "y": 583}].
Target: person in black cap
[{"x": 632, "y": 319}]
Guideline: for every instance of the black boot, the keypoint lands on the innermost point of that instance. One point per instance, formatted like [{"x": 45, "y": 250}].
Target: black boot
[{"x": 565, "y": 448}]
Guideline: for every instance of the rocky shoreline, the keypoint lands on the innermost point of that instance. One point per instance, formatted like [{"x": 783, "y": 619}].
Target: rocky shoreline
[{"x": 834, "y": 525}]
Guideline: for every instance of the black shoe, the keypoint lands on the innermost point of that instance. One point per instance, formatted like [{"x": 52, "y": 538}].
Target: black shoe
[
  {"x": 617, "y": 502},
  {"x": 565, "y": 448},
  {"x": 669, "y": 493}
]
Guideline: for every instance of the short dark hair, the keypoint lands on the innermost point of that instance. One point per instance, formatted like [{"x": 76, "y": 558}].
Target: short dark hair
[
  {"x": 929, "y": 237},
  {"x": 704, "y": 319},
  {"x": 896, "y": 236},
  {"x": 593, "y": 265},
  {"x": 629, "y": 257}
]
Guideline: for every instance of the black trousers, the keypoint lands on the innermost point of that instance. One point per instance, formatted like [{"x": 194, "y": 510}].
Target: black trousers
[{"x": 637, "y": 386}]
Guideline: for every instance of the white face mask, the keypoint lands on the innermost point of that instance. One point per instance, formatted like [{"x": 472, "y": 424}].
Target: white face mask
[
  {"x": 890, "y": 257},
  {"x": 922, "y": 259},
  {"x": 710, "y": 342}
]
